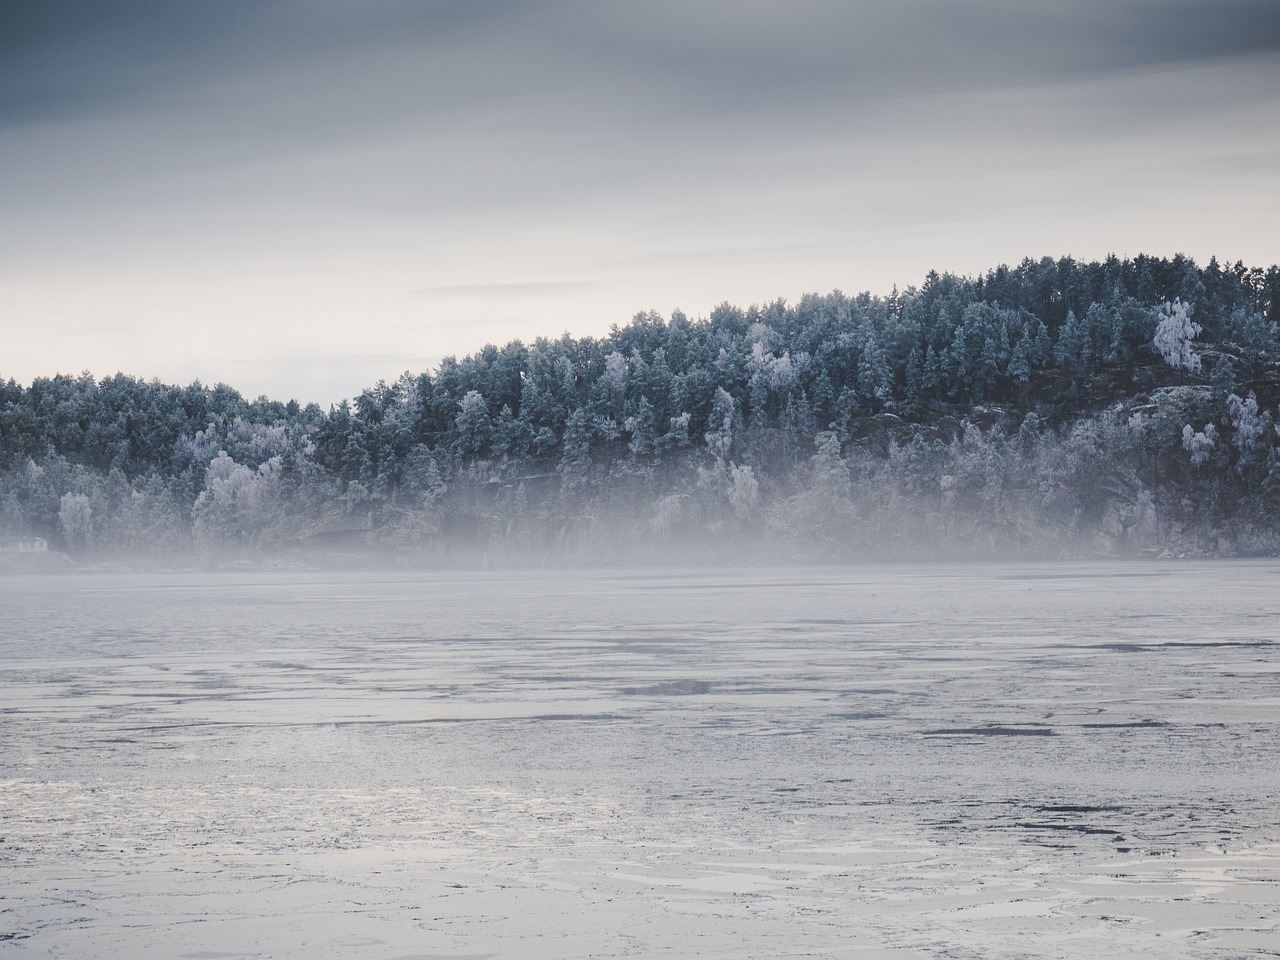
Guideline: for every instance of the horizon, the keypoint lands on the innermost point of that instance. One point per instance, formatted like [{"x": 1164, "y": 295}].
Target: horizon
[{"x": 432, "y": 370}]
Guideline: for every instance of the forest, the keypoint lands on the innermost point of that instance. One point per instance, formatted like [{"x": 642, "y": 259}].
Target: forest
[{"x": 1124, "y": 407}]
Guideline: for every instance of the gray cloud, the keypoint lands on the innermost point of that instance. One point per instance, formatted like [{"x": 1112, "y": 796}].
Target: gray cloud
[
  {"x": 511, "y": 103},
  {"x": 80, "y": 58},
  {"x": 320, "y": 60}
]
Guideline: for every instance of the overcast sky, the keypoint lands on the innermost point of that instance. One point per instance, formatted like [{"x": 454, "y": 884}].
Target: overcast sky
[{"x": 302, "y": 198}]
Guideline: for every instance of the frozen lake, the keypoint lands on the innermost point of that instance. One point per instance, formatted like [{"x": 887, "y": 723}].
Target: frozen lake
[{"x": 990, "y": 761}]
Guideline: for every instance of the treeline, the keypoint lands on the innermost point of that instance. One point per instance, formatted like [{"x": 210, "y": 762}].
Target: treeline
[{"x": 1054, "y": 407}]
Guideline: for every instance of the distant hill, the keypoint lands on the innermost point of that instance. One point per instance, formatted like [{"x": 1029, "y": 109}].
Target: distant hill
[{"x": 1120, "y": 407}]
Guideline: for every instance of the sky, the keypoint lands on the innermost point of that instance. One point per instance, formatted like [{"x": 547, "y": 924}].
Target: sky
[{"x": 300, "y": 199}]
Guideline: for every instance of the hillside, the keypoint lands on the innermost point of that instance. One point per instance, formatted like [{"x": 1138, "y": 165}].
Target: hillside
[{"x": 1056, "y": 408}]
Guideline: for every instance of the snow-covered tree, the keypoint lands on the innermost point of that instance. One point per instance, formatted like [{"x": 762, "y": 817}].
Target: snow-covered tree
[
  {"x": 719, "y": 436},
  {"x": 473, "y": 423},
  {"x": 75, "y": 514},
  {"x": 1199, "y": 444},
  {"x": 1174, "y": 334},
  {"x": 575, "y": 461},
  {"x": 677, "y": 434},
  {"x": 875, "y": 377},
  {"x": 1073, "y": 349},
  {"x": 830, "y": 471},
  {"x": 1249, "y": 426},
  {"x": 641, "y": 427},
  {"x": 744, "y": 490},
  {"x": 614, "y": 382},
  {"x": 238, "y": 506}
]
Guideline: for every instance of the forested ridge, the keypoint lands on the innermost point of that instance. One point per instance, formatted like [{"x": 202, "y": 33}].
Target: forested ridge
[{"x": 1055, "y": 408}]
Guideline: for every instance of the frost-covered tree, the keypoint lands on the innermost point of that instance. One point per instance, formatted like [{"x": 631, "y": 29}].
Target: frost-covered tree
[
  {"x": 677, "y": 434},
  {"x": 1174, "y": 334},
  {"x": 768, "y": 377},
  {"x": 875, "y": 377},
  {"x": 75, "y": 514},
  {"x": 822, "y": 512},
  {"x": 1249, "y": 425},
  {"x": 830, "y": 471},
  {"x": 641, "y": 427},
  {"x": 1199, "y": 444},
  {"x": 744, "y": 490},
  {"x": 719, "y": 435},
  {"x": 614, "y": 382},
  {"x": 473, "y": 423},
  {"x": 239, "y": 506},
  {"x": 1073, "y": 349},
  {"x": 575, "y": 460},
  {"x": 1019, "y": 368}
]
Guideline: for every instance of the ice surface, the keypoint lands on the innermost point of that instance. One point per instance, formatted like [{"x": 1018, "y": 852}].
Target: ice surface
[{"x": 980, "y": 761}]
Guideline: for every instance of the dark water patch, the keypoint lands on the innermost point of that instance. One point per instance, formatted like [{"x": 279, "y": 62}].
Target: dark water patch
[
  {"x": 1125, "y": 724},
  {"x": 859, "y": 715},
  {"x": 443, "y": 956},
  {"x": 365, "y": 645},
  {"x": 769, "y": 731},
  {"x": 797, "y": 626},
  {"x": 1077, "y": 808},
  {"x": 1112, "y": 647},
  {"x": 873, "y": 692},
  {"x": 558, "y": 678},
  {"x": 1068, "y": 575},
  {"x": 647, "y": 648},
  {"x": 674, "y": 688},
  {"x": 1070, "y": 828},
  {"x": 753, "y": 690},
  {"x": 1213, "y": 644},
  {"x": 342, "y": 724},
  {"x": 751, "y": 585},
  {"x": 991, "y": 732},
  {"x": 1120, "y": 647}
]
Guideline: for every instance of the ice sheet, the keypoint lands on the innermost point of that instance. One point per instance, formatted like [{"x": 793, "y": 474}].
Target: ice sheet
[{"x": 982, "y": 761}]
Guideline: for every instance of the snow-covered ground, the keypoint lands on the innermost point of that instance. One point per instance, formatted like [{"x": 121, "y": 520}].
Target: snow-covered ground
[{"x": 991, "y": 761}]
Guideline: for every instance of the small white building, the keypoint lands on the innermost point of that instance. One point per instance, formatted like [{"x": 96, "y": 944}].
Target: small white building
[{"x": 9, "y": 544}]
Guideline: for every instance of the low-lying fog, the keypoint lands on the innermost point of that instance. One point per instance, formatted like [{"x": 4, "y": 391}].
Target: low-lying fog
[{"x": 997, "y": 761}]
